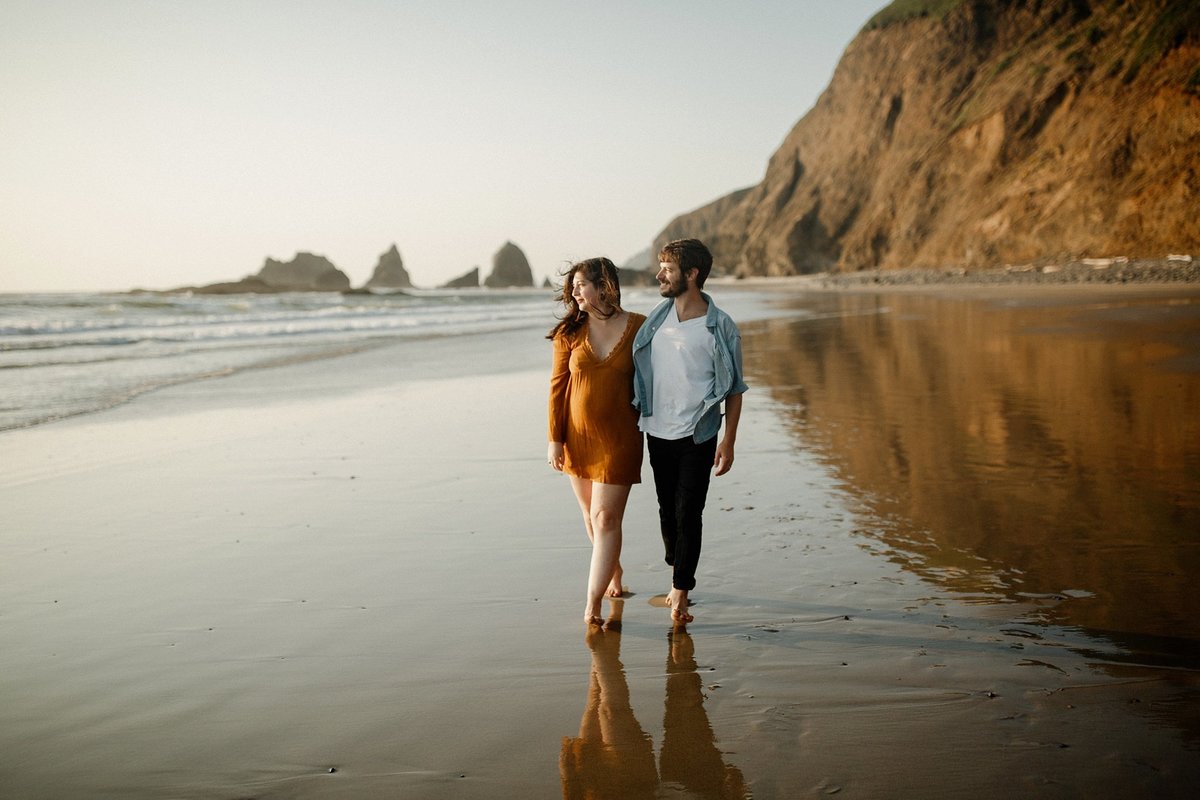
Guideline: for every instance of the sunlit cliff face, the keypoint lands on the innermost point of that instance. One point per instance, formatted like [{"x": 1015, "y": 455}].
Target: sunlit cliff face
[{"x": 1022, "y": 453}]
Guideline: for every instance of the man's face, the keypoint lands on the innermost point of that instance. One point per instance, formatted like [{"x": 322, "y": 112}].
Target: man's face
[{"x": 672, "y": 282}]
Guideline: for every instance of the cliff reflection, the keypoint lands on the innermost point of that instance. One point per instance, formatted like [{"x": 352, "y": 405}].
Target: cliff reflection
[
  {"x": 1032, "y": 449},
  {"x": 614, "y": 758}
]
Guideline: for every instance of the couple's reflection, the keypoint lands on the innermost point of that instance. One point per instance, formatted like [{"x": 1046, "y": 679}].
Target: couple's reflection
[{"x": 614, "y": 757}]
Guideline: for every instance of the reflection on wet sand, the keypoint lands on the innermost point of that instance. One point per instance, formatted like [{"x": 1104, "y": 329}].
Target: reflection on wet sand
[
  {"x": 689, "y": 758},
  {"x": 613, "y": 757},
  {"x": 1019, "y": 452}
]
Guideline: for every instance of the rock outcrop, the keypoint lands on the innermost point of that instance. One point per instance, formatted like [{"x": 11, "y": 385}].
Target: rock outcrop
[
  {"x": 509, "y": 268},
  {"x": 642, "y": 260},
  {"x": 248, "y": 285},
  {"x": 640, "y": 269},
  {"x": 304, "y": 273},
  {"x": 705, "y": 224},
  {"x": 468, "y": 280},
  {"x": 631, "y": 277},
  {"x": 390, "y": 272},
  {"x": 982, "y": 132}
]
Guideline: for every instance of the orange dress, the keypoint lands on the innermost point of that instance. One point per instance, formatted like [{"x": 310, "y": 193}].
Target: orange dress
[{"x": 591, "y": 408}]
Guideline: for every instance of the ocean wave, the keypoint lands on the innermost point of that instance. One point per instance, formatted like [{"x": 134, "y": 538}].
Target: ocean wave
[
  {"x": 105, "y": 321},
  {"x": 69, "y": 354}
]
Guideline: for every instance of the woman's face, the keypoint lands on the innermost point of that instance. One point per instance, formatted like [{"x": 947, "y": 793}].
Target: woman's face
[{"x": 587, "y": 295}]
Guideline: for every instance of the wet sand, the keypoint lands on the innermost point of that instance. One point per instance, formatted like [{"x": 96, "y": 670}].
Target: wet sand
[{"x": 358, "y": 578}]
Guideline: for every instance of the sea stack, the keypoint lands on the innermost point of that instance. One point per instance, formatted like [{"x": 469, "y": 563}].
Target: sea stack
[
  {"x": 304, "y": 273},
  {"x": 509, "y": 268},
  {"x": 468, "y": 280},
  {"x": 390, "y": 272}
]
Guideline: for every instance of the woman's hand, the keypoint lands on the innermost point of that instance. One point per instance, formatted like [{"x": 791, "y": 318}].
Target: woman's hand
[{"x": 554, "y": 455}]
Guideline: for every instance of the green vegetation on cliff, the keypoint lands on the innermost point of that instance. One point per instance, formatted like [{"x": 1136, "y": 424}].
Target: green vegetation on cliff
[
  {"x": 1178, "y": 21},
  {"x": 904, "y": 10}
]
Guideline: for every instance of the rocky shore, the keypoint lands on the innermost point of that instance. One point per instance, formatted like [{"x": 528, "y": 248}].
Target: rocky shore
[{"x": 1087, "y": 271}]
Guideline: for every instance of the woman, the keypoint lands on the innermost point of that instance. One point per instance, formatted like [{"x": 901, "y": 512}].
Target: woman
[{"x": 594, "y": 435}]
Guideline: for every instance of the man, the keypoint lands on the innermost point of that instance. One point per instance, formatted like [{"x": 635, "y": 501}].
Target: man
[{"x": 687, "y": 361}]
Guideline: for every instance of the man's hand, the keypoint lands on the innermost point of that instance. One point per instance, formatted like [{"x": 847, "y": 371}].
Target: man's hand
[
  {"x": 733, "y": 414},
  {"x": 724, "y": 458}
]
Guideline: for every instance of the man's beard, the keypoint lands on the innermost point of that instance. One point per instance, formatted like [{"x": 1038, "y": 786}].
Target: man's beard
[{"x": 668, "y": 289}]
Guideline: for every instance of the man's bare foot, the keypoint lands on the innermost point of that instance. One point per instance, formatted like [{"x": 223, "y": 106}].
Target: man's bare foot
[
  {"x": 614, "y": 587},
  {"x": 677, "y": 600}
]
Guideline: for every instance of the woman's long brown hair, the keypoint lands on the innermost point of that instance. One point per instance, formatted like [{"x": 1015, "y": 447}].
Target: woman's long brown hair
[{"x": 603, "y": 274}]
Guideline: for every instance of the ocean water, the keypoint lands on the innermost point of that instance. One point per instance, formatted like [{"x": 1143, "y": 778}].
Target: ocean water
[{"x": 67, "y": 354}]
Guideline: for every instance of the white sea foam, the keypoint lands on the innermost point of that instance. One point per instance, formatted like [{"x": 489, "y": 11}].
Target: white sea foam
[{"x": 65, "y": 354}]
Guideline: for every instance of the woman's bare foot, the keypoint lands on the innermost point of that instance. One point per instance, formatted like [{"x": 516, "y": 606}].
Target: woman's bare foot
[
  {"x": 614, "y": 586},
  {"x": 591, "y": 614},
  {"x": 677, "y": 600}
]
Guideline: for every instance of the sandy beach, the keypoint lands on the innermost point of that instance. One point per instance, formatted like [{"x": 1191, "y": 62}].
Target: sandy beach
[{"x": 356, "y": 577}]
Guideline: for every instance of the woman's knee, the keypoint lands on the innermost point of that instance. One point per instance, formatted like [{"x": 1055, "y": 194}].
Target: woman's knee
[{"x": 605, "y": 520}]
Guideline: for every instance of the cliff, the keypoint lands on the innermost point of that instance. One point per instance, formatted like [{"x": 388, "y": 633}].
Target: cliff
[
  {"x": 975, "y": 133},
  {"x": 708, "y": 224}
]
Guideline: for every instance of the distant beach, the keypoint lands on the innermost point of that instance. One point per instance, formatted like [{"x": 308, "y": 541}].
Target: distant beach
[{"x": 955, "y": 557}]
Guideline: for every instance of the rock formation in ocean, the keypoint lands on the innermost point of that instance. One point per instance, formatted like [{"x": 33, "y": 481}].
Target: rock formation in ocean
[
  {"x": 305, "y": 272},
  {"x": 390, "y": 272},
  {"x": 468, "y": 280},
  {"x": 509, "y": 268},
  {"x": 247, "y": 285},
  {"x": 974, "y": 133}
]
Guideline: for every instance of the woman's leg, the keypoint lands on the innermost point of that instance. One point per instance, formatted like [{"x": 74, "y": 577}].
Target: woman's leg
[
  {"x": 583, "y": 495},
  {"x": 607, "y": 513}
]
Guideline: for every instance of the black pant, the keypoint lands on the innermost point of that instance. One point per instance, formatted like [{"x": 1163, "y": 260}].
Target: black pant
[{"x": 681, "y": 472}]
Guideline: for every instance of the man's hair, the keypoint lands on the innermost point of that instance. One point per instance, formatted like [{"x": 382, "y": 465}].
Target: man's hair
[{"x": 688, "y": 254}]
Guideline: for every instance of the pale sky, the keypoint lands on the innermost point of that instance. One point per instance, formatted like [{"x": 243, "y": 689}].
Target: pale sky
[{"x": 150, "y": 143}]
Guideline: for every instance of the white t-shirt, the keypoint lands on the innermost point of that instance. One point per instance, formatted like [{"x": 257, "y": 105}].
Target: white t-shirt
[{"x": 683, "y": 358}]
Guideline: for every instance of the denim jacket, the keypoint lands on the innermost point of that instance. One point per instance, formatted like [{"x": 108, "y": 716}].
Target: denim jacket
[{"x": 728, "y": 365}]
